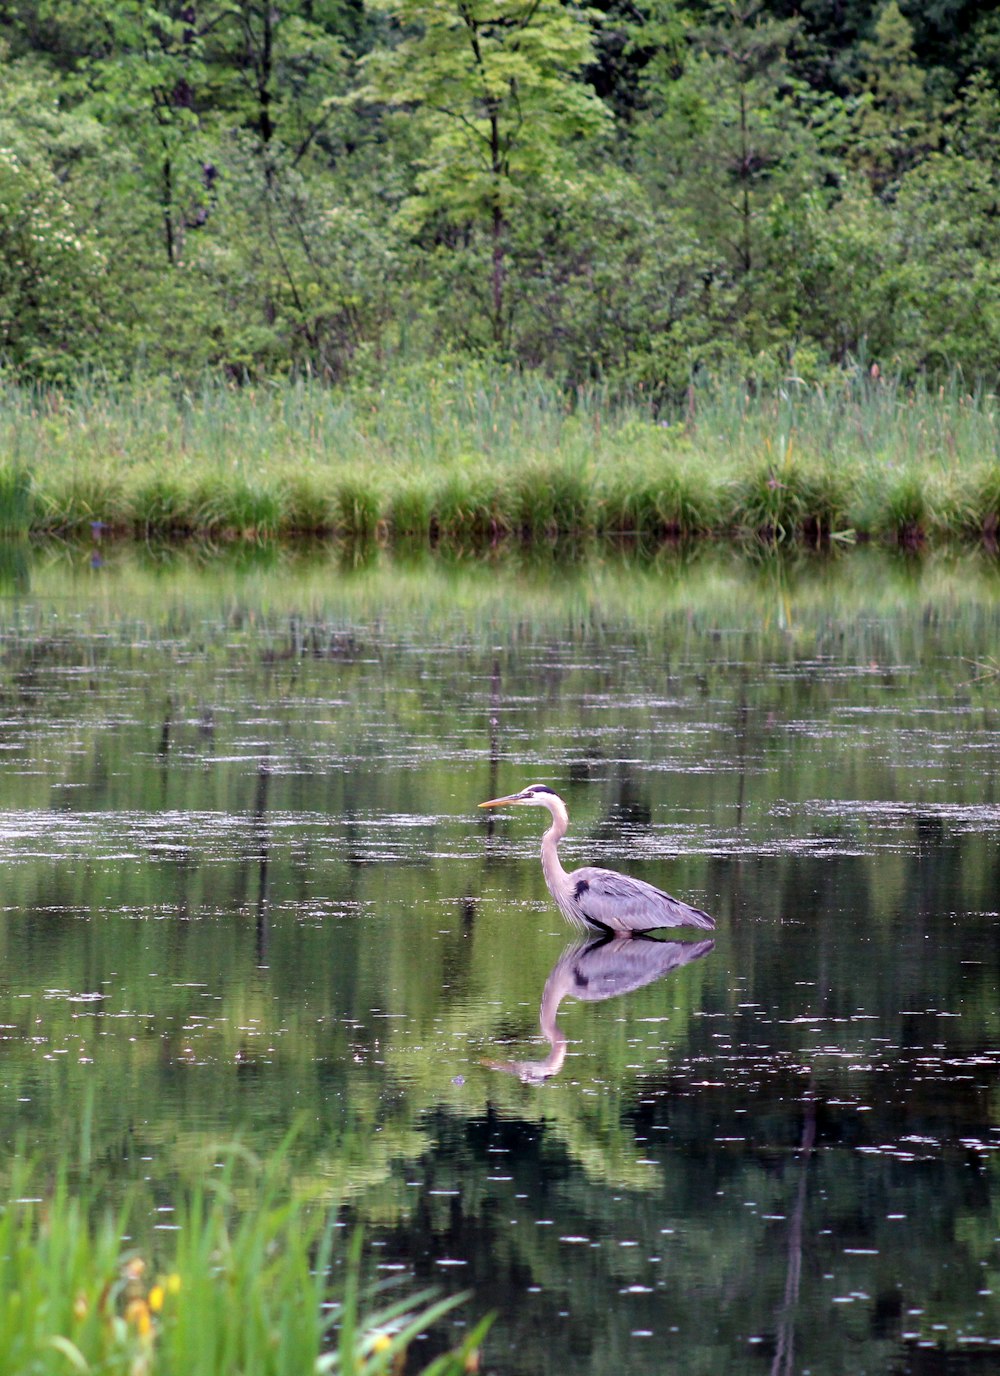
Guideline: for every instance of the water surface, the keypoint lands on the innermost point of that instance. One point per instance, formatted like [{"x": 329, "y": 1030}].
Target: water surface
[{"x": 246, "y": 885}]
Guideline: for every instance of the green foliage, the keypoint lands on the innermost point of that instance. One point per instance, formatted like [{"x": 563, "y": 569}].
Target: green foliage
[
  {"x": 895, "y": 121},
  {"x": 161, "y": 503},
  {"x": 244, "y": 1289},
  {"x": 307, "y": 503},
  {"x": 783, "y": 498},
  {"x": 490, "y": 83},
  {"x": 946, "y": 272},
  {"x": 51, "y": 275},
  {"x": 636, "y": 196},
  {"x": 736, "y": 143},
  {"x": 410, "y": 508},
  {"x": 905, "y": 508},
  {"x": 984, "y": 511},
  {"x": 551, "y": 499},
  {"x": 357, "y": 505},
  {"x": 659, "y": 492},
  {"x": 476, "y": 457},
  {"x": 610, "y": 287},
  {"x": 469, "y": 507},
  {"x": 274, "y": 68},
  {"x": 15, "y": 499}
]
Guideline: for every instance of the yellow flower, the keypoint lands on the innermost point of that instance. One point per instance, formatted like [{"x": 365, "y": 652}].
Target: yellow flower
[
  {"x": 172, "y": 1284},
  {"x": 155, "y": 1298},
  {"x": 381, "y": 1342},
  {"x": 138, "y": 1315}
]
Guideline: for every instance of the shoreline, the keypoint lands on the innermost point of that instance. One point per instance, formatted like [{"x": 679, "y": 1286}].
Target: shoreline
[{"x": 459, "y": 461}]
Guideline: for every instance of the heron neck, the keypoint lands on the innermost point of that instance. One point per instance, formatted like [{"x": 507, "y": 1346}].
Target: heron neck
[{"x": 552, "y": 869}]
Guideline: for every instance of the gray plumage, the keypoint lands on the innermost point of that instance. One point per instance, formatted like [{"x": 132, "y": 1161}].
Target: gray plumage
[{"x": 599, "y": 900}]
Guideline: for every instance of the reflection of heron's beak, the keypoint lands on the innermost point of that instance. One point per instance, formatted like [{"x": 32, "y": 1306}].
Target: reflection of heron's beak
[
  {"x": 533, "y": 1072},
  {"x": 499, "y": 802}
]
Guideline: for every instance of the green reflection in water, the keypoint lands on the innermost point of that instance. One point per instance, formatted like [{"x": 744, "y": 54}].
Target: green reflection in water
[{"x": 245, "y": 881}]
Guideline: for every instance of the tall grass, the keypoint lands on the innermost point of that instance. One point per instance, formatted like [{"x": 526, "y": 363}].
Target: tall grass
[
  {"x": 15, "y": 498},
  {"x": 267, "y": 1289},
  {"x": 781, "y": 496},
  {"x": 472, "y": 457}
]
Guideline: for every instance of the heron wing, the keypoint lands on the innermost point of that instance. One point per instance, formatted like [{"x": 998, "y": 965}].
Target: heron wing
[{"x": 605, "y": 898}]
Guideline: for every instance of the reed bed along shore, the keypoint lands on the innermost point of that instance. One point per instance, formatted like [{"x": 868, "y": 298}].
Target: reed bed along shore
[{"x": 475, "y": 458}]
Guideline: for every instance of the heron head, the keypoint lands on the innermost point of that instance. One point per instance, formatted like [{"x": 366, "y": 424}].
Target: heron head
[{"x": 535, "y": 795}]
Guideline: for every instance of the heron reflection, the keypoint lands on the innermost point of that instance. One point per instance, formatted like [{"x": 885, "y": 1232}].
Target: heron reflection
[
  {"x": 594, "y": 899},
  {"x": 592, "y": 971}
]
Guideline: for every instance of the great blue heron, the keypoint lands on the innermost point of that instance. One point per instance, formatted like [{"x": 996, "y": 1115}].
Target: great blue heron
[{"x": 598, "y": 900}]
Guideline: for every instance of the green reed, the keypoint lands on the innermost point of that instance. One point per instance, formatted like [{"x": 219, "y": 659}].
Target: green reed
[
  {"x": 473, "y": 456},
  {"x": 253, "y": 1281}
]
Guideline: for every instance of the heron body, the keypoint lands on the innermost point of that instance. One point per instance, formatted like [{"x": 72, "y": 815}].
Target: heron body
[{"x": 595, "y": 899}]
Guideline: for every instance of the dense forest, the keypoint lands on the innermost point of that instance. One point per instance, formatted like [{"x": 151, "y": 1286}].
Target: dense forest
[{"x": 638, "y": 192}]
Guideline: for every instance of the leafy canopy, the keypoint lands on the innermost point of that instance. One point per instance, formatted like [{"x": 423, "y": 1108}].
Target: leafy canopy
[{"x": 494, "y": 86}]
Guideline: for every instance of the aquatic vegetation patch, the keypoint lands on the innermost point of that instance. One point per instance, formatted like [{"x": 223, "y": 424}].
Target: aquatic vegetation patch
[
  {"x": 903, "y": 509},
  {"x": 662, "y": 497},
  {"x": 82, "y": 496},
  {"x": 15, "y": 499},
  {"x": 550, "y": 499},
  {"x": 254, "y": 1279},
  {"x": 307, "y": 503},
  {"x": 410, "y": 507},
  {"x": 982, "y": 516},
  {"x": 468, "y": 505},
  {"x": 357, "y": 505},
  {"x": 161, "y": 503},
  {"x": 473, "y": 460},
  {"x": 785, "y": 497},
  {"x": 238, "y": 505}
]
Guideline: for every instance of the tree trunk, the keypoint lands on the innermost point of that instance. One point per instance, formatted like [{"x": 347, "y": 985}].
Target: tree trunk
[
  {"x": 167, "y": 208},
  {"x": 746, "y": 172},
  {"x": 498, "y": 228},
  {"x": 265, "y": 71}
]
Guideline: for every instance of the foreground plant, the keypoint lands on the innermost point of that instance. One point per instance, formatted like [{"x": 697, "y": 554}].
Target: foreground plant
[{"x": 243, "y": 1290}]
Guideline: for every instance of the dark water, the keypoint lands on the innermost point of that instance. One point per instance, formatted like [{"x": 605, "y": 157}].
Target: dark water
[{"x": 246, "y": 885}]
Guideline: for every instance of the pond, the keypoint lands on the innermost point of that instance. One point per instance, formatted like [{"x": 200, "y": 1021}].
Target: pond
[{"x": 247, "y": 887}]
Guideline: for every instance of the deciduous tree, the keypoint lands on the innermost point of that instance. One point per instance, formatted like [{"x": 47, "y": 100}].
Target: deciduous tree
[{"x": 495, "y": 86}]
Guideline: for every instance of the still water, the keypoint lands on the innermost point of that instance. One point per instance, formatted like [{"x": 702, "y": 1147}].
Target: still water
[{"x": 246, "y": 885}]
